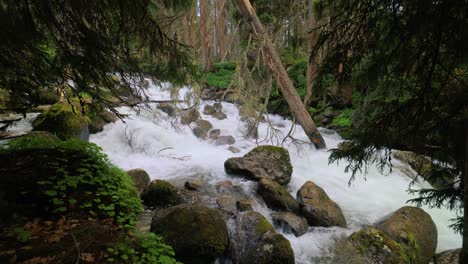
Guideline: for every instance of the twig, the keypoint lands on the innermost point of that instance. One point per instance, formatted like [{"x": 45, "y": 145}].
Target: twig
[{"x": 77, "y": 245}]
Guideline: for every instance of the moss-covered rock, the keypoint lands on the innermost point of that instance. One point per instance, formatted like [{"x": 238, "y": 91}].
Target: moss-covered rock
[
  {"x": 436, "y": 175},
  {"x": 377, "y": 247},
  {"x": 318, "y": 208},
  {"x": 42, "y": 176},
  {"x": 410, "y": 225},
  {"x": 99, "y": 119},
  {"x": 262, "y": 162},
  {"x": 63, "y": 122},
  {"x": 254, "y": 240},
  {"x": 160, "y": 193},
  {"x": 40, "y": 136},
  {"x": 276, "y": 196},
  {"x": 140, "y": 178},
  {"x": 197, "y": 234}
]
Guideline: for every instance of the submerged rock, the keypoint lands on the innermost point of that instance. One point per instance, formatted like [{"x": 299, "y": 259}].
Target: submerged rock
[
  {"x": 233, "y": 149},
  {"x": 167, "y": 108},
  {"x": 225, "y": 140},
  {"x": 160, "y": 193},
  {"x": 254, "y": 240},
  {"x": 262, "y": 162},
  {"x": 198, "y": 234},
  {"x": 290, "y": 223},
  {"x": 412, "y": 225},
  {"x": 209, "y": 109},
  {"x": 451, "y": 256},
  {"x": 219, "y": 115},
  {"x": 318, "y": 208},
  {"x": 189, "y": 116},
  {"x": 276, "y": 196},
  {"x": 140, "y": 178},
  {"x": 214, "y": 134},
  {"x": 202, "y": 128}
]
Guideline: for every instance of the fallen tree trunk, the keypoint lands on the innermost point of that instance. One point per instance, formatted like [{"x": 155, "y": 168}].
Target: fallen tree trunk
[{"x": 273, "y": 62}]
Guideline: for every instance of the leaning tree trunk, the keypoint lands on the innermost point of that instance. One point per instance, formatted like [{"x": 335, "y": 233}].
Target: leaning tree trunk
[{"x": 273, "y": 62}]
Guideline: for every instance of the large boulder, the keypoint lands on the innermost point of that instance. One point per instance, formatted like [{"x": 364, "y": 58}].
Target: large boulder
[
  {"x": 412, "y": 225},
  {"x": 160, "y": 193},
  {"x": 451, "y": 256},
  {"x": 276, "y": 196},
  {"x": 63, "y": 122},
  {"x": 99, "y": 119},
  {"x": 140, "y": 178},
  {"x": 202, "y": 128},
  {"x": 290, "y": 223},
  {"x": 198, "y": 234},
  {"x": 189, "y": 116},
  {"x": 262, "y": 162},
  {"x": 371, "y": 246},
  {"x": 318, "y": 208},
  {"x": 254, "y": 240},
  {"x": 436, "y": 175}
]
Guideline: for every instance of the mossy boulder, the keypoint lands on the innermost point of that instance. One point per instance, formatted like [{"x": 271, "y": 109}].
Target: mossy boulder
[
  {"x": 198, "y": 234},
  {"x": 99, "y": 119},
  {"x": 140, "y": 178},
  {"x": 160, "y": 193},
  {"x": 412, "y": 225},
  {"x": 318, "y": 208},
  {"x": 276, "y": 196},
  {"x": 436, "y": 175},
  {"x": 377, "y": 247},
  {"x": 44, "y": 96},
  {"x": 41, "y": 176},
  {"x": 262, "y": 162},
  {"x": 40, "y": 136},
  {"x": 63, "y": 122},
  {"x": 254, "y": 240}
]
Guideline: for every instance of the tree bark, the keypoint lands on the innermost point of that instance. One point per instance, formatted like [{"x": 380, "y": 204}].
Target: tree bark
[
  {"x": 464, "y": 252},
  {"x": 273, "y": 62},
  {"x": 220, "y": 29},
  {"x": 186, "y": 30},
  {"x": 204, "y": 38}
]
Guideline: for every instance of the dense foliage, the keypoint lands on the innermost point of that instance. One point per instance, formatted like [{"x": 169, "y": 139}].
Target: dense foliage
[
  {"x": 47, "y": 44},
  {"x": 409, "y": 59}
]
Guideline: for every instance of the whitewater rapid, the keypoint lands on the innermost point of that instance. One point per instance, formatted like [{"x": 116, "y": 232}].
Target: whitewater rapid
[{"x": 167, "y": 150}]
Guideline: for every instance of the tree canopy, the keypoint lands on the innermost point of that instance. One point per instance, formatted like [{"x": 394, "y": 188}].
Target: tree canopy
[{"x": 80, "y": 46}]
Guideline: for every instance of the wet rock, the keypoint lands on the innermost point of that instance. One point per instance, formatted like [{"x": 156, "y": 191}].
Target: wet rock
[
  {"x": 262, "y": 162},
  {"x": 435, "y": 174},
  {"x": 318, "y": 208},
  {"x": 218, "y": 106},
  {"x": 193, "y": 185},
  {"x": 167, "y": 108},
  {"x": 450, "y": 256},
  {"x": 214, "y": 134},
  {"x": 326, "y": 121},
  {"x": 276, "y": 196},
  {"x": 233, "y": 149},
  {"x": 140, "y": 178},
  {"x": 225, "y": 140},
  {"x": 202, "y": 128},
  {"x": 209, "y": 110},
  {"x": 245, "y": 205},
  {"x": 99, "y": 120},
  {"x": 290, "y": 223},
  {"x": 198, "y": 234},
  {"x": 219, "y": 115},
  {"x": 189, "y": 116},
  {"x": 254, "y": 240},
  {"x": 145, "y": 83},
  {"x": 160, "y": 193},
  {"x": 412, "y": 225}
]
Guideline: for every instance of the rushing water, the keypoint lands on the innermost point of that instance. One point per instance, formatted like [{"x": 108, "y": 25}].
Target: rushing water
[{"x": 166, "y": 150}]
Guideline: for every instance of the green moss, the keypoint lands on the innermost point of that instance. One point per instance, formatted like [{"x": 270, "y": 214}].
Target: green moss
[
  {"x": 61, "y": 121},
  {"x": 222, "y": 75},
  {"x": 160, "y": 193},
  {"x": 344, "y": 119},
  {"x": 262, "y": 226},
  {"x": 44, "y": 177},
  {"x": 284, "y": 154}
]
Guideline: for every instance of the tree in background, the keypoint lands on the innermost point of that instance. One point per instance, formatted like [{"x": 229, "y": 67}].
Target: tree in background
[
  {"x": 408, "y": 61},
  {"x": 47, "y": 44}
]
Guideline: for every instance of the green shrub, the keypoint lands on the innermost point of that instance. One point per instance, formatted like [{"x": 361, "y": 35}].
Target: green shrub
[
  {"x": 344, "y": 119},
  {"x": 40, "y": 176},
  {"x": 222, "y": 75},
  {"x": 143, "y": 248}
]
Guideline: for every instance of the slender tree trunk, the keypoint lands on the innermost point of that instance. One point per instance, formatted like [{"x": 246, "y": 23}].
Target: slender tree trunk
[
  {"x": 204, "y": 39},
  {"x": 221, "y": 29},
  {"x": 273, "y": 62},
  {"x": 311, "y": 68},
  {"x": 464, "y": 252},
  {"x": 193, "y": 34},
  {"x": 186, "y": 30}
]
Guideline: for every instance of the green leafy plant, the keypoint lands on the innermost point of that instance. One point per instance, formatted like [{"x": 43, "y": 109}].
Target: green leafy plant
[
  {"x": 344, "y": 119},
  {"x": 222, "y": 75}
]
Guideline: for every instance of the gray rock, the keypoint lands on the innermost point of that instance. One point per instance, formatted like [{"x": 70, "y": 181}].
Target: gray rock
[
  {"x": 245, "y": 205},
  {"x": 225, "y": 140},
  {"x": 189, "y": 116},
  {"x": 219, "y": 115},
  {"x": 202, "y": 128},
  {"x": 167, "y": 108},
  {"x": 214, "y": 134},
  {"x": 276, "y": 196},
  {"x": 233, "y": 149},
  {"x": 450, "y": 256},
  {"x": 262, "y": 162},
  {"x": 209, "y": 110},
  {"x": 218, "y": 106},
  {"x": 318, "y": 208},
  {"x": 290, "y": 223},
  {"x": 140, "y": 179},
  {"x": 193, "y": 185}
]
